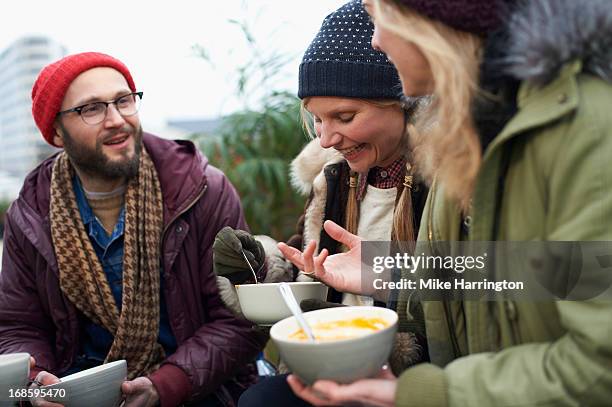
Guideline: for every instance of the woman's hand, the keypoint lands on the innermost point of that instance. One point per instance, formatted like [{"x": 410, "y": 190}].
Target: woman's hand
[
  {"x": 340, "y": 271},
  {"x": 377, "y": 392}
]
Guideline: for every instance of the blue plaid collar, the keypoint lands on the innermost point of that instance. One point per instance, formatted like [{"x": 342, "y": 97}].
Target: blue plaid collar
[{"x": 93, "y": 226}]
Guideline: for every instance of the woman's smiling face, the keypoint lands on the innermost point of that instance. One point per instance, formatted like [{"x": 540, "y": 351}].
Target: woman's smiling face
[{"x": 367, "y": 134}]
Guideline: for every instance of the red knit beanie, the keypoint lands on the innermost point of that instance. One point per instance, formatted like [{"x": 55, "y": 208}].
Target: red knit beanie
[
  {"x": 53, "y": 82},
  {"x": 478, "y": 17}
]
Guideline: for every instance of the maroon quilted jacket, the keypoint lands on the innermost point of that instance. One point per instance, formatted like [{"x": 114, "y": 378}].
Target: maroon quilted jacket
[{"x": 214, "y": 346}]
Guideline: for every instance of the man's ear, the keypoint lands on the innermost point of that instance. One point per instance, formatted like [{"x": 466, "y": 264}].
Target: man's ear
[{"x": 58, "y": 136}]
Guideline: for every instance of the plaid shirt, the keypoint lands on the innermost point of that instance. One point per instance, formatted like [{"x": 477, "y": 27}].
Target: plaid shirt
[{"x": 383, "y": 178}]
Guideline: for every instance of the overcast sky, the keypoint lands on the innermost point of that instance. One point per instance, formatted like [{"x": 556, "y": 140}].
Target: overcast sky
[{"x": 155, "y": 39}]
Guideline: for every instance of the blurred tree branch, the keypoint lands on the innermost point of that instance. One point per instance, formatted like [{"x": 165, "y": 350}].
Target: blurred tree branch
[{"x": 254, "y": 146}]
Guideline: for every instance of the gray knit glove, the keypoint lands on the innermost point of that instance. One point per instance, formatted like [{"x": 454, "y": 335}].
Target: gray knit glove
[
  {"x": 229, "y": 250},
  {"x": 231, "y": 268}
]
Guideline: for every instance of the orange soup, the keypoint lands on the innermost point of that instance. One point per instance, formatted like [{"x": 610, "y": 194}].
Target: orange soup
[{"x": 344, "y": 329}]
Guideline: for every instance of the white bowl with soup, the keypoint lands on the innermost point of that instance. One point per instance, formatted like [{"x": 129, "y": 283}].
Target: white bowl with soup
[
  {"x": 264, "y": 305},
  {"x": 351, "y": 343}
]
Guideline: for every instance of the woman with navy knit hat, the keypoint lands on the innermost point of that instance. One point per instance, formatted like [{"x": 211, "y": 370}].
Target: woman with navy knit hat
[
  {"x": 520, "y": 146},
  {"x": 358, "y": 169}
]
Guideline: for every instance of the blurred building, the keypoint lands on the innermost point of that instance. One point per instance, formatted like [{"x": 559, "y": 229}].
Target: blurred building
[
  {"x": 184, "y": 129},
  {"x": 196, "y": 126},
  {"x": 9, "y": 187},
  {"x": 22, "y": 145}
]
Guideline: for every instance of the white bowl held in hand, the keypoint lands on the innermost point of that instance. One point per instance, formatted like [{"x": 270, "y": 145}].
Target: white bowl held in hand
[
  {"x": 99, "y": 386},
  {"x": 341, "y": 360},
  {"x": 14, "y": 372},
  {"x": 264, "y": 305}
]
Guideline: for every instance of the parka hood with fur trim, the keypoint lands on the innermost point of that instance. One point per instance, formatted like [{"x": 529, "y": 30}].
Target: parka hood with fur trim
[
  {"x": 544, "y": 35},
  {"x": 309, "y": 164}
]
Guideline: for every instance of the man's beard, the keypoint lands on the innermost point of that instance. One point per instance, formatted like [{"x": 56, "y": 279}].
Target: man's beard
[{"x": 95, "y": 163}]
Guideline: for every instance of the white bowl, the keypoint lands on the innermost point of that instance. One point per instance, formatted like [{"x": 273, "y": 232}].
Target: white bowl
[
  {"x": 343, "y": 361},
  {"x": 14, "y": 372},
  {"x": 264, "y": 305},
  {"x": 99, "y": 386}
]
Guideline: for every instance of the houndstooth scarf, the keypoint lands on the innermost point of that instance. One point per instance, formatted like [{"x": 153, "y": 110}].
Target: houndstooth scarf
[{"x": 82, "y": 279}]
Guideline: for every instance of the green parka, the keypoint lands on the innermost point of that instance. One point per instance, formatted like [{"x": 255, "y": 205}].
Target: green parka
[{"x": 557, "y": 187}]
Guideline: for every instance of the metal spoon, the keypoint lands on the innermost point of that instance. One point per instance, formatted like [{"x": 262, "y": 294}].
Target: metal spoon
[
  {"x": 291, "y": 302},
  {"x": 251, "y": 267}
]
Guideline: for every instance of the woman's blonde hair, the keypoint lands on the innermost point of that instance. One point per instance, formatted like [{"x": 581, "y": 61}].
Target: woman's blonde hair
[
  {"x": 444, "y": 140},
  {"x": 403, "y": 223}
]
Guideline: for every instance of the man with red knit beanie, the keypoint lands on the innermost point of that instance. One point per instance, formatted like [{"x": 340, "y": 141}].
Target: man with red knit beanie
[{"x": 108, "y": 249}]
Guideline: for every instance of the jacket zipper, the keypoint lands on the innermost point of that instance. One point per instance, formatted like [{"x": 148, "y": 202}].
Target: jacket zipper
[
  {"x": 512, "y": 315},
  {"x": 447, "y": 306},
  {"x": 451, "y": 327}
]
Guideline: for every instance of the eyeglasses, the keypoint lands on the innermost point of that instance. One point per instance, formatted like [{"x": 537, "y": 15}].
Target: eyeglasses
[{"x": 95, "y": 113}]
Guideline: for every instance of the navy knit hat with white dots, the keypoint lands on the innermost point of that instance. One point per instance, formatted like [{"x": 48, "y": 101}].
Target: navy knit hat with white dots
[{"x": 341, "y": 62}]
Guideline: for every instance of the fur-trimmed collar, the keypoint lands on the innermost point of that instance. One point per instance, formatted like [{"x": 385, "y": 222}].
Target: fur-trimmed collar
[
  {"x": 309, "y": 163},
  {"x": 547, "y": 34}
]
